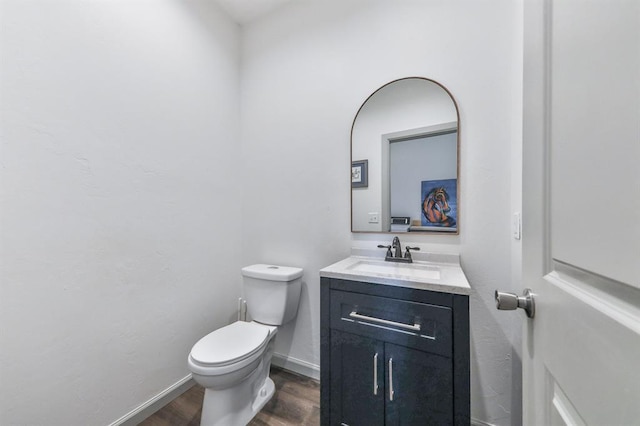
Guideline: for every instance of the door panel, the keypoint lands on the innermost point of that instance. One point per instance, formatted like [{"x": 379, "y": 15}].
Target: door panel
[
  {"x": 562, "y": 412},
  {"x": 588, "y": 350},
  {"x": 581, "y": 198},
  {"x": 354, "y": 401},
  {"x": 594, "y": 58},
  {"x": 422, "y": 387}
]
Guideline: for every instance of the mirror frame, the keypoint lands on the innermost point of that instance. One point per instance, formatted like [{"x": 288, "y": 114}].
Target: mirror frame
[{"x": 425, "y": 232}]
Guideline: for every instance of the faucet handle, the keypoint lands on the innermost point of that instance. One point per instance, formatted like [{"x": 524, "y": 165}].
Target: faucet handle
[
  {"x": 388, "y": 249},
  {"x": 407, "y": 253}
]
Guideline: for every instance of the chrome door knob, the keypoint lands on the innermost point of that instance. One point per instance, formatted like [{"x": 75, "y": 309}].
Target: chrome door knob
[{"x": 511, "y": 301}]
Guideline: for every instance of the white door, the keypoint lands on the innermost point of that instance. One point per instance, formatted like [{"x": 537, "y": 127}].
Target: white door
[{"x": 581, "y": 212}]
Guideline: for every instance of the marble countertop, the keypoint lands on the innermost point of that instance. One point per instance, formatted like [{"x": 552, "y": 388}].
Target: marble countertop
[{"x": 437, "y": 272}]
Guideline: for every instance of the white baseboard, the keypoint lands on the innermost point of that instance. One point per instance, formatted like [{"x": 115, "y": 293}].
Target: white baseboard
[
  {"x": 303, "y": 368},
  {"x": 146, "y": 409},
  {"x": 476, "y": 422}
]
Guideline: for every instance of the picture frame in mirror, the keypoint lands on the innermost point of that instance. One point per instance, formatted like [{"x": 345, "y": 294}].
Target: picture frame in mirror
[{"x": 359, "y": 174}]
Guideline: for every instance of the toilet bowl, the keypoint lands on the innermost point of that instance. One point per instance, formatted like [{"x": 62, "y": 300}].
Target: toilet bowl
[{"x": 232, "y": 363}]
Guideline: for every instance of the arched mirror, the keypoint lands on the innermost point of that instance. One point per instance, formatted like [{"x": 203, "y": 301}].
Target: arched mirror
[{"x": 404, "y": 159}]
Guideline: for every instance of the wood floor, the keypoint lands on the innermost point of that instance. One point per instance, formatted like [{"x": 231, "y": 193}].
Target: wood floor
[{"x": 296, "y": 402}]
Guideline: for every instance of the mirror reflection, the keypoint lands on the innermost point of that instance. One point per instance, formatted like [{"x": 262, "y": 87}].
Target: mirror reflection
[{"x": 404, "y": 159}]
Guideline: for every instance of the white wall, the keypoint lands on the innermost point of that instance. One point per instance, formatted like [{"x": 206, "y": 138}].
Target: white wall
[
  {"x": 305, "y": 72},
  {"x": 120, "y": 227}
]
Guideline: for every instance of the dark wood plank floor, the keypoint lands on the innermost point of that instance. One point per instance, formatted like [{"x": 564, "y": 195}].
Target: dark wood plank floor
[{"x": 296, "y": 402}]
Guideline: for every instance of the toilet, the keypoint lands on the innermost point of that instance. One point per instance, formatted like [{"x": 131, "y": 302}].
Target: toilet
[{"x": 232, "y": 363}]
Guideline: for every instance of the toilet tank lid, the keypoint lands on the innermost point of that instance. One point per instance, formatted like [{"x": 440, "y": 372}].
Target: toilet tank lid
[{"x": 272, "y": 272}]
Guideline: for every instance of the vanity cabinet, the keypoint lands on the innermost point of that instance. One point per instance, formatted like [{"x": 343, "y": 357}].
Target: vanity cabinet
[{"x": 392, "y": 355}]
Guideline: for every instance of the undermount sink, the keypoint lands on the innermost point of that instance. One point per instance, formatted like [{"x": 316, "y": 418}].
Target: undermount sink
[{"x": 392, "y": 269}]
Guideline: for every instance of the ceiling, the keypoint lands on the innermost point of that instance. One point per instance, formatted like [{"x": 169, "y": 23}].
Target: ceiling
[{"x": 243, "y": 11}]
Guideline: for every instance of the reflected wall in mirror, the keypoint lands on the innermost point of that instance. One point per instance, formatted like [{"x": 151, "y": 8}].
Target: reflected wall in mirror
[{"x": 408, "y": 132}]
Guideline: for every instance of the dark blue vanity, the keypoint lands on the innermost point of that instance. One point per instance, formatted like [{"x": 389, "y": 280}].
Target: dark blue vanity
[{"x": 394, "y": 351}]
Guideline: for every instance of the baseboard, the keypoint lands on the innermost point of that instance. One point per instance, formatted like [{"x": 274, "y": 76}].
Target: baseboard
[
  {"x": 146, "y": 409},
  {"x": 303, "y": 368},
  {"x": 476, "y": 422}
]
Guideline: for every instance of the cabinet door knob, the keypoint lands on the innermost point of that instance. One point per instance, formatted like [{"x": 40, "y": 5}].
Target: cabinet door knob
[{"x": 511, "y": 301}]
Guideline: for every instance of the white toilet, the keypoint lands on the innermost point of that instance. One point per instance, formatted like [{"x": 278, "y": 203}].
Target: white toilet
[{"x": 232, "y": 363}]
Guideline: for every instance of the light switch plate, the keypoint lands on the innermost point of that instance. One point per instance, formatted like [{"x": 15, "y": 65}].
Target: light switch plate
[
  {"x": 517, "y": 225},
  {"x": 374, "y": 217}
]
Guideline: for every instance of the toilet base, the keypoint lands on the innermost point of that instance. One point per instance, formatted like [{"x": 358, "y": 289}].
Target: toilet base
[
  {"x": 264, "y": 395},
  {"x": 235, "y": 406}
]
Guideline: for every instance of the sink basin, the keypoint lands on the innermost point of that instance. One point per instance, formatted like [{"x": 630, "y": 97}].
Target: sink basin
[{"x": 396, "y": 270}]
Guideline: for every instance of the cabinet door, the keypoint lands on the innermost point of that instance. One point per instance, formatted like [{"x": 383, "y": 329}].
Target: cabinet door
[
  {"x": 419, "y": 387},
  {"x": 357, "y": 380}
]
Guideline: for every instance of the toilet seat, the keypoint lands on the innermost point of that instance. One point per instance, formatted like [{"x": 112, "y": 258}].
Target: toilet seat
[{"x": 229, "y": 348}]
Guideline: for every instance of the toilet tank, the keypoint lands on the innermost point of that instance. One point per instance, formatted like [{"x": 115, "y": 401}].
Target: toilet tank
[{"x": 272, "y": 292}]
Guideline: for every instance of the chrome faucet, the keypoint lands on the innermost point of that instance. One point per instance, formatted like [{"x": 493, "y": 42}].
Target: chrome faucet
[{"x": 397, "y": 257}]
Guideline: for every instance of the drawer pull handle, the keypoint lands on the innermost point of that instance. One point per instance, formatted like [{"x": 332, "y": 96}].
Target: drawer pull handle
[
  {"x": 391, "y": 379},
  {"x": 375, "y": 374},
  {"x": 356, "y": 315}
]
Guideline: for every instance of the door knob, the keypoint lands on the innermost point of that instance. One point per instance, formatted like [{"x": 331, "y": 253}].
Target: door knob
[{"x": 511, "y": 301}]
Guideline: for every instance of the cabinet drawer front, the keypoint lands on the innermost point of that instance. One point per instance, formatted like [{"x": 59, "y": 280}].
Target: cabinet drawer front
[{"x": 411, "y": 324}]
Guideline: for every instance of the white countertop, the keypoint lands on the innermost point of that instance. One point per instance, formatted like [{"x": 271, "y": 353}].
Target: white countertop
[{"x": 444, "y": 275}]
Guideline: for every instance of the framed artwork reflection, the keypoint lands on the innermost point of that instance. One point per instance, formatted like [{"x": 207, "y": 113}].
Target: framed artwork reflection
[
  {"x": 360, "y": 174},
  {"x": 439, "y": 204}
]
